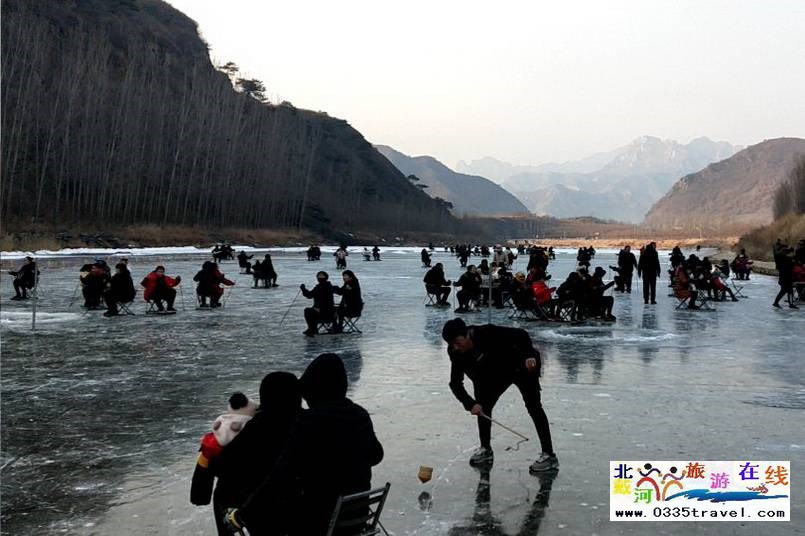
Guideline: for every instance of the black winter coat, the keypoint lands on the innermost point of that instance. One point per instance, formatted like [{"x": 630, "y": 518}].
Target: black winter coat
[
  {"x": 322, "y": 296},
  {"x": 498, "y": 357},
  {"x": 330, "y": 453}
]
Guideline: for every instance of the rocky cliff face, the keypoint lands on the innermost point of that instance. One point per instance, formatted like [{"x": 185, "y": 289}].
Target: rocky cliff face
[
  {"x": 734, "y": 194},
  {"x": 112, "y": 112}
]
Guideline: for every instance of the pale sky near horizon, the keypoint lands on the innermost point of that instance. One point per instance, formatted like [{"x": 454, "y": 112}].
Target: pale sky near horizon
[{"x": 525, "y": 82}]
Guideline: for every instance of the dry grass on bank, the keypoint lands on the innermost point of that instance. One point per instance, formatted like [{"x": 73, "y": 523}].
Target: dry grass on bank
[{"x": 758, "y": 243}]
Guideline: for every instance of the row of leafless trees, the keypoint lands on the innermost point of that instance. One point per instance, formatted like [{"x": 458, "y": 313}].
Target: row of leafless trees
[
  {"x": 102, "y": 132},
  {"x": 790, "y": 196}
]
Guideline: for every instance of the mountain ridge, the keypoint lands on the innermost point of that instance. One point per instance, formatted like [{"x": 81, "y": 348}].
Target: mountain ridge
[
  {"x": 629, "y": 179},
  {"x": 469, "y": 194},
  {"x": 735, "y": 193}
]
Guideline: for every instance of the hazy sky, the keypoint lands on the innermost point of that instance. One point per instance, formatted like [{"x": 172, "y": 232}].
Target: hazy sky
[{"x": 527, "y": 82}]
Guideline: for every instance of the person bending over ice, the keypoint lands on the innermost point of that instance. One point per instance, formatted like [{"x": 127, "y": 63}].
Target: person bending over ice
[{"x": 494, "y": 358}]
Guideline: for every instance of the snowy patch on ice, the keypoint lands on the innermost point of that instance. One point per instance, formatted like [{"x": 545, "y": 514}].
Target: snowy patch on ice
[{"x": 12, "y": 319}]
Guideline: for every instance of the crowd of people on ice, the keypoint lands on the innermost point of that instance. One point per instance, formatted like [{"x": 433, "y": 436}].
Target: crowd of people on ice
[{"x": 278, "y": 468}]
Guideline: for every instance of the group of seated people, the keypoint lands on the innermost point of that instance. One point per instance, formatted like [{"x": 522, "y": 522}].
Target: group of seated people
[
  {"x": 280, "y": 469},
  {"x": 222, "y": 252},
  {"x": 314, "y": 253},
  {"x": 324, "y": 310},
  {"x": 159, "y": 289},
  {"x": 98, "y": 285},
  {"x": 697, "y": 280},
  {"x": 581, "y": 295},
  {"x": 585, "y": 255},
  {"x": 260, "y": 270},
  {"x": 741, "y": 265}
]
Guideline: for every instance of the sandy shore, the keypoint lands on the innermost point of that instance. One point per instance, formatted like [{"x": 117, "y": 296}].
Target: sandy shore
[{"x": 723, "y": 243}]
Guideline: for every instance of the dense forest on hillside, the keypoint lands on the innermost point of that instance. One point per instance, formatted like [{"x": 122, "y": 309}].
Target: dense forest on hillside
[{"x": 112, "y": 113}]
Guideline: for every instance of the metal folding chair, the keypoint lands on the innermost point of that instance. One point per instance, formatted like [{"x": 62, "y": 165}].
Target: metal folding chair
[
  {"x": 359, "y": 514},
  {"x": 736, "y": 288},
  {"x": 126, "y": 308},
  {"x": 566, "y": 310},
  {"x": 523, "y": 314},
  {"x": 350, "y": 324}
]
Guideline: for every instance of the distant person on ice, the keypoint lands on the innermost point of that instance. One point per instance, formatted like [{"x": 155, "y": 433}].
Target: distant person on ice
[
  {"x": 648, "y": 267},
  {"x": 268, "y": 273},
  {"x": 330, "y": 453},
  {"x": 341, "y": 258},
  {"x": 24, "y": 279},
  {"x": 626, "y": 265},
  {"x": 159, "y": 288},
  {"x": 323, "y": 309},
  {"x": 425, "y": 256},
  {"x": 436, "y": 284},
  {"x": 121, "y": 289},
  {"x": 94, "y": 282},
  {"x": 495, "y": 358},
  {"x": 243, "y": 262},
  {"x": 209, "y": 280}
]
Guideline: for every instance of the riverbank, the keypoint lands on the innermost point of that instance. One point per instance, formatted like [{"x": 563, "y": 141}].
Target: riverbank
[
  {"x": 721, "y": 243},
  {"x": 52, "y": 238}
]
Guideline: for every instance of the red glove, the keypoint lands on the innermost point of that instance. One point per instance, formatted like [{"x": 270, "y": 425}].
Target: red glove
[{"x": 209, "y": 449}]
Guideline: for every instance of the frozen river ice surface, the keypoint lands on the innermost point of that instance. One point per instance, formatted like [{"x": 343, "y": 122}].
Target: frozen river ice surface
[{"x": 101, "y": 417}]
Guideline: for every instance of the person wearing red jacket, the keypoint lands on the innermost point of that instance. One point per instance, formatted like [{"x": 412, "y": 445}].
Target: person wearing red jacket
[
  {"x": 159, "y": 288},
  {"x": 209, "y": 280}
]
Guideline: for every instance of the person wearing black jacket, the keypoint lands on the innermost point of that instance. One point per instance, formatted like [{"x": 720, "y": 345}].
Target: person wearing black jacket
[
  {"x": 351, "y": 304},
  {"x": 599, "y": 305},
  {"x": 470, "y": 283},
  {"x": 649, "y": 268},
  {"x": 268, "y": 273},
  {"x": 329, "y": 454},
  {"x": 243, "y": 261},
  {"x": 24, "y": 279},
  {"x": 494, "y": 358},
  {"x": 424, "y": 255},
  {"x": 121, "y": 289},
  {"x": 626, "y": 263},
  {"x": 784, "y": 262},
  {"x": 248, "y": 460},
  {"x": 436, "y": 284},
  {"x": 323, "y": 309}
]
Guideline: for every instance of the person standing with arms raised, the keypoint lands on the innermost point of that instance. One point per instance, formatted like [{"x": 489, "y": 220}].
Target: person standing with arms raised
[{"x": 495, "y": 358}]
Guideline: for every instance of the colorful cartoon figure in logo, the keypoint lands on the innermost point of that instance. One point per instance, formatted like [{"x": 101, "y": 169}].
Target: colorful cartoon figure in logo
[
  {"x": 647, "y": 478},
  {"x": 673, "y": 480}
]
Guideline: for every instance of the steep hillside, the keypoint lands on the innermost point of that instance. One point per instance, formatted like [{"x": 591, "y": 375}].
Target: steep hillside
[
  {"x": 112, "y": 112},
  {"x": 736, "y": 193},
  {"x": 468, "y": 194}
]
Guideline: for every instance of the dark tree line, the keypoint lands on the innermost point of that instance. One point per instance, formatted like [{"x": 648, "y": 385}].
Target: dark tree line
[
  {"x": 790, "y": 195},
  {"x": 108, "y": 115}
]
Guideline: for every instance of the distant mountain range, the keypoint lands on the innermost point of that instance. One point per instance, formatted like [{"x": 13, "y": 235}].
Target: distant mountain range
[
  {"x": 470, "y": 195},
  {"x": 736, "y": 193},
  {"x": 621, "y": 184}
]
